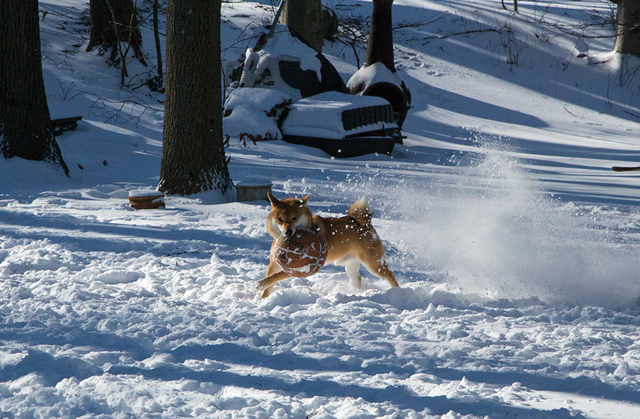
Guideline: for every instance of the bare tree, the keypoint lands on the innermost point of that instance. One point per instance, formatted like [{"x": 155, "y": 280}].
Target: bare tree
[
  {"x": 113, "y": 22},
  {"x": 380, "y": 50},
  {"x": 25, "y": 124},
  {"x": 193, "y": 158},
  {"x": 628, "y": 27},
  {"x": 515, "y": 5},
  {"x": 305, "y": 17},
  {"x": 380, "y": 44}
]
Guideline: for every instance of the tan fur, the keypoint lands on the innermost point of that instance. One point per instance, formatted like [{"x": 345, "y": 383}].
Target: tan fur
[{"x": 351, "y": 239}]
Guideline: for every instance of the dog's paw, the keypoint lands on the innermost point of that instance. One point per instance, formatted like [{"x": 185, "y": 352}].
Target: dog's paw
[{"x": 262, "y": 284}]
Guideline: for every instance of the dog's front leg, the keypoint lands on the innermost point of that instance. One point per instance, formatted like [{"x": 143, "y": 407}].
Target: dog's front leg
[{"x": 274, "y": 274}]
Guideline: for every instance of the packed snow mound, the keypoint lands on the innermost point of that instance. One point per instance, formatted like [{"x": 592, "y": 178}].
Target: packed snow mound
[
  {"x": 282, "y": 60},
  {"x": 262, "y": 66},
  {"x": 255, "y": 113}
]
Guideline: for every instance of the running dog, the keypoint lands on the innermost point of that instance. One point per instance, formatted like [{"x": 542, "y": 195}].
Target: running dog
[{"x": 351, "y": 240}]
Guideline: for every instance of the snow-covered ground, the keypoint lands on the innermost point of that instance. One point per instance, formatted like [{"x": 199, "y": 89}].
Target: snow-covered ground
[{"x": 515, "y": 245}]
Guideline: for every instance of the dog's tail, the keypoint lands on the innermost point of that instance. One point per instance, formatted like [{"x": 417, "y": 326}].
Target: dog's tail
[{"x": 360, "y": 211}]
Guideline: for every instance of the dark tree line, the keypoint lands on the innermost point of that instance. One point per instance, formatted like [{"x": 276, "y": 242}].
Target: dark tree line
[{"x": 193, "y": 151}]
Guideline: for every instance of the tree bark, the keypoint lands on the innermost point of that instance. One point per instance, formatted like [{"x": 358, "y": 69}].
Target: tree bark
[
  {"x": 25, "y": 124},
  {"x": 305, "y": 17},
  {"x": 103, "y": 27},
  {"x": 380, "y": 44},
  {"x": 193, "y": 158},
  {"x": 628, "y": 28}
]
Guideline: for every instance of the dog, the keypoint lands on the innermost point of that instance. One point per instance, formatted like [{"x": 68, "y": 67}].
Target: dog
[{"x": 351, "y": 240}]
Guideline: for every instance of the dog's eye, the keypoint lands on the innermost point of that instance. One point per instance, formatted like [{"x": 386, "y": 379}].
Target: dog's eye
[
  {"x": 280, "y": 219},
  {"x": 294, "y": 218}
]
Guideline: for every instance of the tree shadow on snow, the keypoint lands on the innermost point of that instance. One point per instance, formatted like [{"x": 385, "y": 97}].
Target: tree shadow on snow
[
  {"x": 79, "y": 233},
  {"x": 519, "y": 57},
  {"x": 396, "y": 395}
]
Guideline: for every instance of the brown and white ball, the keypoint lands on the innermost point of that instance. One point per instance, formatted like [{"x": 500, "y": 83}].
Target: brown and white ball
[{"x": 302, "y": 254}]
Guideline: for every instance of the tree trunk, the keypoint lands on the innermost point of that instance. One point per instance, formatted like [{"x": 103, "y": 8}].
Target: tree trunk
[
  {"x": 628, "y": 28},
  {"x": 103, "y": 32},
  {"x": 25, "y": 129},
  {"x": 305, "y": 17},
  {"x": 193, "y": 158},
  {"x": 380, "y": 44}
]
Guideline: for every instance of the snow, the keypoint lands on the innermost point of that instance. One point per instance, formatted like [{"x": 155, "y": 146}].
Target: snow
[
  {"x": 514, "y": 243},
  {"x": 281, "y": 46},
  {"x": 370, "y": 75},
  {"x": 137, "y": 193},
  {"x": 320, "y": 116},
  {"x": 254, "y": 111}
]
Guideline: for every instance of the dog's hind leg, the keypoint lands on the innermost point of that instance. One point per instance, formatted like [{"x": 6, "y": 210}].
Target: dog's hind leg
[
  {"x": 352, "y": 267},
  {"x": 380, "y": 269}
]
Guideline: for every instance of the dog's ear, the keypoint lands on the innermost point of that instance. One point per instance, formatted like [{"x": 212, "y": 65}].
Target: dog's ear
[
  {"x": 274, "y": 201},
  {"x": 304, "y": 200}
]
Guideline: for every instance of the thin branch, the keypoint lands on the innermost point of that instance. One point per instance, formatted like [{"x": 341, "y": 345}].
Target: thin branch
[
  {"x": 419, "y": 23},
  {"x": 461, "y": 33},
  {"x": 157, "y": 36},
  {"x": 123, "y": 72}
]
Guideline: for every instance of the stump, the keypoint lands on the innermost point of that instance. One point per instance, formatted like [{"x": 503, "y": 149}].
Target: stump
[{"x": 145, "y": 199}]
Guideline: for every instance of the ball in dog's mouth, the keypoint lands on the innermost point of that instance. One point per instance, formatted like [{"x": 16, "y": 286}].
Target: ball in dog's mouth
[{"x": 301, "y": 254}]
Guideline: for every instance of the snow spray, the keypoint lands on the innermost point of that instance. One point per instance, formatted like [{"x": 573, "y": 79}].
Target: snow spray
[{"x": 491, "y": 230}]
